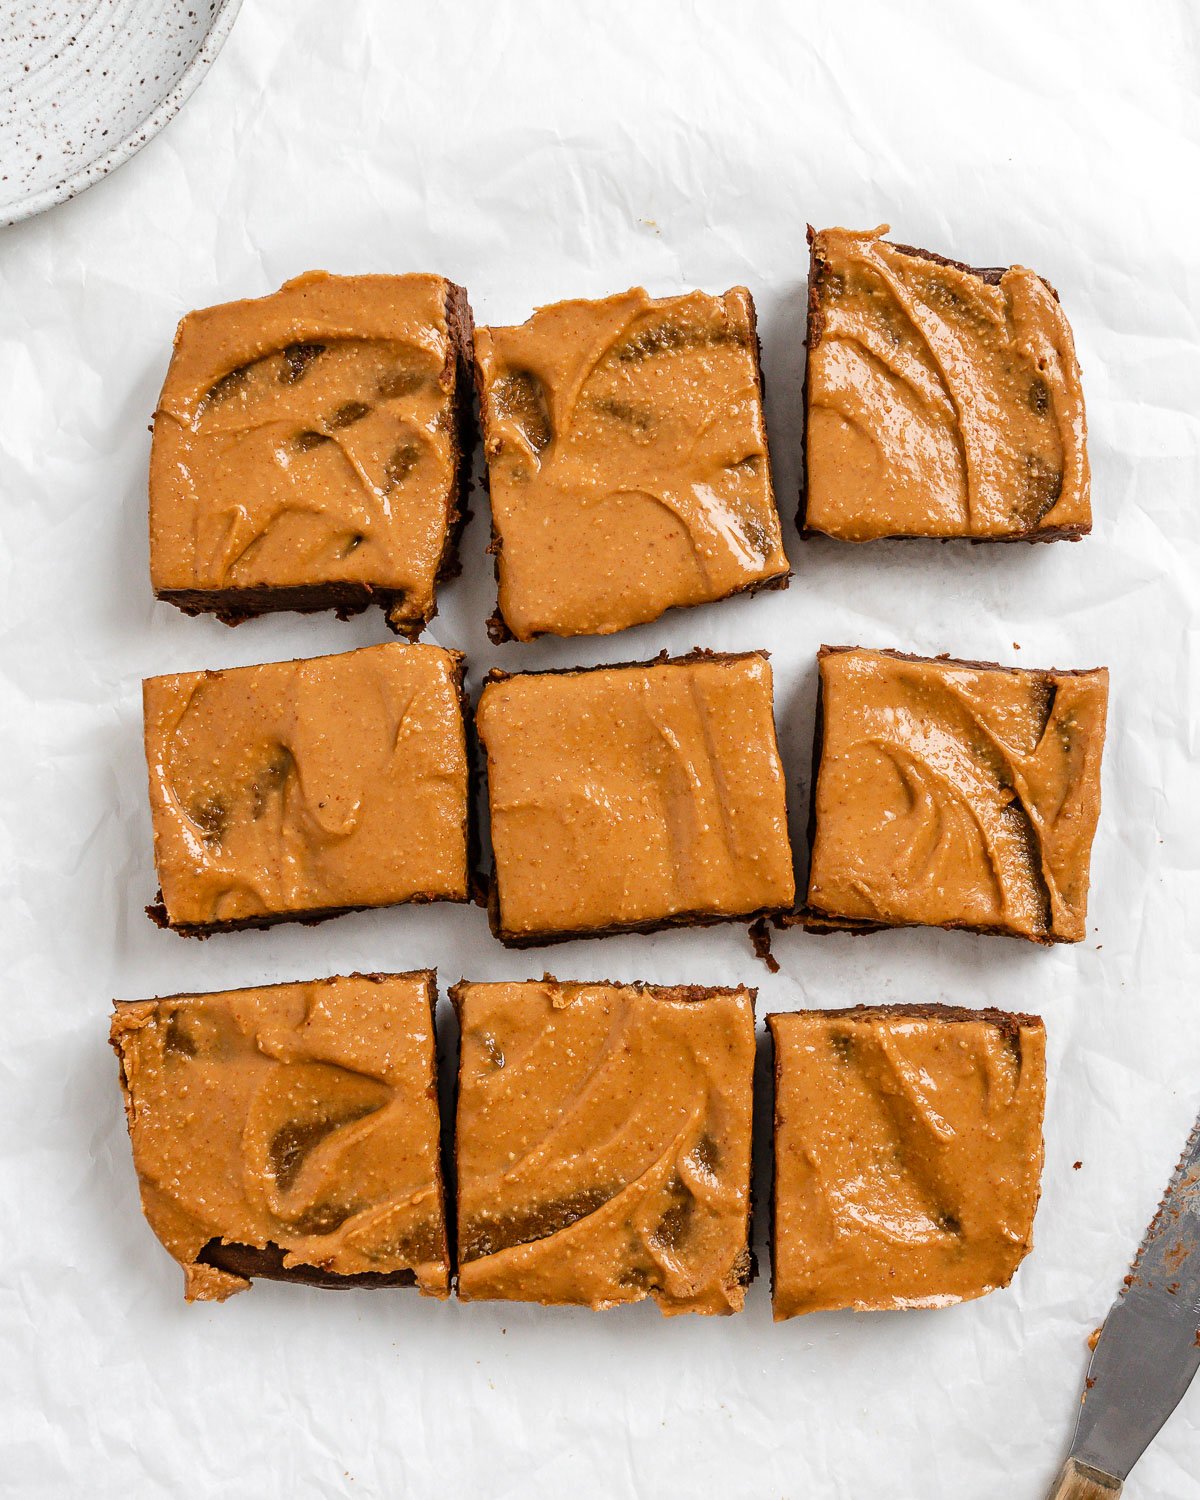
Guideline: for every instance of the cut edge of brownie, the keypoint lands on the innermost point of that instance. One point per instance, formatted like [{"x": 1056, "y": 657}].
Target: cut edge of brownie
[
  {"x": 753, "y": 920},
  {"x": 234, "y": 606},
  {"x": 1008, "y": 1022},
  {"x": 497, "y": 627},
  {"x": 815, "y": 329},
  {"x": 744, "y": 1269},
  {"x": 813, "y": 920},
  {"x": 157, "y": 910},
  {"x": 266, "y": 1263}
]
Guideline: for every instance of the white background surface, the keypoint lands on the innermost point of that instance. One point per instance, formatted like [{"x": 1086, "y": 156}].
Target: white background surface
[{"x": 531, "y": 156}]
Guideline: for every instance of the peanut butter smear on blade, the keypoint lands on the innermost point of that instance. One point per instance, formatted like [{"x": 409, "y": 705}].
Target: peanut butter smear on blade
[
  {"x": 627, "y": 455},
  {"x": 300, "y": 1118},
  {"x": 908, "y": 1155},
  {"x": 603, "y": 1144},
  {"x": 308, "y": 786},
  {"x": 307, "y": 439},
  {"x": 630, "y": 796},
  {"x": 941, "y": 402},
  {"x": 956, "y": 794}
]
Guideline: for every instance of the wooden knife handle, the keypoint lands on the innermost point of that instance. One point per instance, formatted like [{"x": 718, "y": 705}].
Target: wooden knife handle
[{"x": 1077, "y": 1482}]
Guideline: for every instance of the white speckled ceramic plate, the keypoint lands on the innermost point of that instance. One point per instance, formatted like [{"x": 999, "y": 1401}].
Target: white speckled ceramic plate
[{"x": 84, "y": 86}]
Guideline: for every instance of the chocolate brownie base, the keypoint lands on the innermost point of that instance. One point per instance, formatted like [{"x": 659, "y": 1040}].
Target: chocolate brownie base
[
  {"x": 267, "y": 1265},
  {"x": 235, "y": 606},
  {"x": 816, "y": 327}
]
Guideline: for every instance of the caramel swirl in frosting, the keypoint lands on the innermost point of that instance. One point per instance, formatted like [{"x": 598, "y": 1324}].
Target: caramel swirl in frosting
[
  {"x": 307, "y": 786},
  {"x": 307, "y": 439},
  {"x": 952, "y": 794},
  {"x": 941, "y": 401},
  {"x": 627, "y": 455},
  {"x": 908, "y": 1154},
  {"x": 301, "y": 1118},
  {"x": 604, "y": 1144}
]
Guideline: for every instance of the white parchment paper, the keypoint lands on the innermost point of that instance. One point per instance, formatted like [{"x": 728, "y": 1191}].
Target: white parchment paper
[{"x": 533, "y": 151}]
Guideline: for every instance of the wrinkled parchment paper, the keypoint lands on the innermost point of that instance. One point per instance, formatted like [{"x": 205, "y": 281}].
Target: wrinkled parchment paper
[{"x": 534, "y": 151}]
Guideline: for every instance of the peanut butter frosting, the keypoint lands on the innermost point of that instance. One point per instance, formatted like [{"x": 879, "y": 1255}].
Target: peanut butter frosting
[
  {"x": 908, "y": 1155},
  {"x": 308, "y": 786},
  {"x": 942, "y": 401},
  {"x": 305, "y": 442},
  {"x": 298, "y": 1118},
  {"x": 627, "y": 455},
  {"x": 604, "y": 1144},
  {"x": 630, "y": 797},
  {"x": 956, "y": 794}
]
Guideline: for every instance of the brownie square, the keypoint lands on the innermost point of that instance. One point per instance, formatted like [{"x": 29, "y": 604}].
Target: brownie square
[
  {"x": 627, "y": 461},
  {"x": 307, "y": 788},
  {"x": 631, "y": 798},
  {"x": 310, "y": 450},
  {"x": 941, "y": 400},
  {"x": 603, "y": 1144},
  {"x": 908, "y": 1154},
  {"x": 954, "y": 794},
  {"x": 290, "y": 1132}
]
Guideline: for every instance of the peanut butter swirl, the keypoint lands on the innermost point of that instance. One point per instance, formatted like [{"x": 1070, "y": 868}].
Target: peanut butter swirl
[
  {"x": 953, "y": 794},
  {"x": 299, "y": 1118},
  {"x": 941, "y": 401},
  {"x": 908, "y": 1155},
  {"x": 630, "y": 796},
  {"x": 307, "y": 439},
  {"x": 604, "y": 1144},
  {"x": 308, "y": 786},
  {"x": 627, "y": 456}
]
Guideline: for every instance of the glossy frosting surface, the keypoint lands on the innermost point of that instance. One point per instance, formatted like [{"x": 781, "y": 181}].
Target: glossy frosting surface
[
  {"x": 627, "y": 456},
  {"x": 306, "y": 438},
  {"x": 908, "y": 1156},
  {"x": 632, "y": 794},
  {"x": 604, "y": 1145},
  {"x": 303, "y": 1116},
  {"x": 306, "y": 785},
  {"x": 958, "y": 795},
  {"x": 939, "y": 404}
]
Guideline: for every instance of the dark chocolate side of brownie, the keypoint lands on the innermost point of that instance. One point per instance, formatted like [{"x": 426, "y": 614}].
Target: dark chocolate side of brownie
[
  {"x": 267, "y": 1264},
  {"x": 816, "y": 328},
  {"x": 497, "y": 627},
  {"x": 1010, "y": 1023},
  {"x": 680, "y": 919},
  {"x": 663, "y": 659},
  {"x": 814, "y": 920},
  {"x": 157, "y": 911},
  {"x": 233, "y": 606}
]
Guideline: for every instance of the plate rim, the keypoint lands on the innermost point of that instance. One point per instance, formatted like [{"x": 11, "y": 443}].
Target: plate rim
[{"x": 165, "y": 110}]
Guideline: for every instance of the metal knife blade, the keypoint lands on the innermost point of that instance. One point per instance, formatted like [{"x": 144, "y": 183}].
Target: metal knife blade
[{"x": 1149, "y": 1347}]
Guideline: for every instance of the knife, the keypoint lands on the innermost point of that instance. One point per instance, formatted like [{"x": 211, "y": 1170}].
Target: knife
[{"x": 1149, "y": 1347}]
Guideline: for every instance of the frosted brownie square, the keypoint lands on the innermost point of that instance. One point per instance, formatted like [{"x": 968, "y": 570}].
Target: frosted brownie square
[
  {"x": 301, "y": 789},
  {"x": 603, "y": 1144},
  {"x": 627, "y": 461},
  {"x": 908, "y": 1154},
  {"x": 635, "y": 797},
  {"x": 941, "y": 400},
  {"x": 954, "y": 794},
  {"x": 290, "y": 1132},
  {"x": 310, "y": 450}
]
